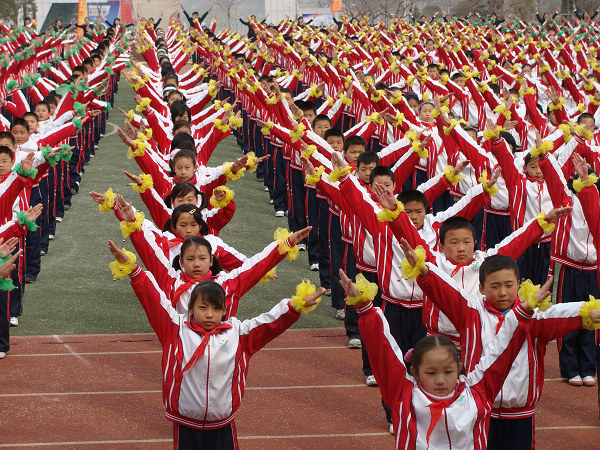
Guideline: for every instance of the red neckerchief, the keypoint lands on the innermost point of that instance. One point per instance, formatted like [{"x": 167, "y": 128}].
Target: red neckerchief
[
  {"x": 4, "y": 177},
  {"x": 199, "y": 352},
  {"x": 497, "y": 313},
  {"x": 191, "y": 180},
  {"x": 189, "y": 282},
  {"x": 438, "y": 407},
  {"x": 174, "y": 242},
  {"x": 459, "y": 266}
]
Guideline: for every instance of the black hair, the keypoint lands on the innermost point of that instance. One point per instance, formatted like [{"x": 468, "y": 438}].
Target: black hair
[
  {"x": 169, "y": 94},
  {"x": 8, "y": 135},
  {"x": 192, "y": 210},
  {"x": 208, "y": 290},
  {"x": 171, "y": 76},
  {"x": 43, "y": 103},
  {"x": 184, "y": 188},
  {"x": 8, "y": 151},
  {"x": 19, "y": 121},
  {"x": 333, "y": 132},
  {"x": 50, "y": 99},
  {"x": 528, "y": 158},
  {"x": 412, "y": 195},
  {"x": 184, "y": 141},
  {"x": 510, "y": 140},
  {"x": 180, "y": 123},
  {"x": 379, "y": 171},
  {"x": 181, "y": 154},
  {"x": 178, "y": 108},
  {"x": 584, "y": 116},
  {"x": 354, "y": 140},
  {"x": 429, "y": 343},
  {"x": 495, "y": 263},
  {"x": 197, "y": 241},
  {"x": 31, "y": 114},
  {"x": 411, "y": 96},
  {"x": 433, "y": 66},
  {"x": 306, "y": 106},
  {"x": 321, "y": 118},
  {"x": 367, "y": 158},
  {"x": 455, "y": 223}
]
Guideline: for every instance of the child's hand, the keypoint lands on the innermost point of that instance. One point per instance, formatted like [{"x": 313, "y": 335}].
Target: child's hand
[
  {"x": 7, "y": 268},
  {"x": 6, "y": 248},
  {"x": 130, "y": 131},
  {"x": 337, "y": 161},
  {"x": 125, "y": 209},
  {"x": 218, "y": 193},
  {"x": 126, "y": 139},
  {"x": 350, "y": 288},
  {"x": 385, "y": 197},
  {"x": 308, "y": 167},
  {"x": 460, "y": 167},
  {"x": 557, "y": 213},
  {"x": 132, "y": 177},
  {"x": 97, "y": 197},
  {"x": 119, "y": 255},
  {"x": 581, "y": 167},
  {"x": 541, "y": 295},
  {"x": 510, "y": 124},
  {"x": 34, "y": 212},
  {"x": 27, "y": 162},
  {"x": 492, "y": 181},
  {"x": 239, "y": 164},
  {"x": 411, "y": 256},
  {"x": 311, "y": 300},
  {"x": 299, "y": 236}
]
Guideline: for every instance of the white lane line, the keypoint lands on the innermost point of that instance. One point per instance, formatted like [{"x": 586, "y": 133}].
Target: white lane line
[
  {"x": 574, "y": 427},
  {"x": 72, "y": 353},
  {"x": 157, "y": 391},
  {"x": 114, "y": 130},
  {"x": 68, "y": 347}
]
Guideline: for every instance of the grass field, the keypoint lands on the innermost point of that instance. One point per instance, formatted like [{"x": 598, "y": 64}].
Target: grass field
[{"x": 74, "y": 292}]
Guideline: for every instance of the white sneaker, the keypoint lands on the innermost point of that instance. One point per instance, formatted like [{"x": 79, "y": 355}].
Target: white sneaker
[
  {"x": 14, "y": 321},
  {"x": 370, "y": 381},
  {"x": 279, "y": 214},
  {"x": 2, "y": 355},
  {"x": 354, "y": 343},
  {"x": 589, "y": 381},
  {"x": 340, "y": 314},
  {"x": 271, "y": 202},
  {"x": 391, "y": 428},
  {"x": 266, "y": 189},
  {"x": 59, "y": 219},
  {"x": 576, "y": 381},
  {"x": 301, "y": 247},
  {"x": 314, "y": 267},
  {"x": 50, "y": 237}
]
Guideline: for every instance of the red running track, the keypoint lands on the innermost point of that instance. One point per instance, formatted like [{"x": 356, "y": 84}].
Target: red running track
[{"x": 305, "y": 390}]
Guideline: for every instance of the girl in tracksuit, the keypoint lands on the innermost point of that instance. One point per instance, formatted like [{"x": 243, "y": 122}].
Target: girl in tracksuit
[{"x": 205, "y": 357}]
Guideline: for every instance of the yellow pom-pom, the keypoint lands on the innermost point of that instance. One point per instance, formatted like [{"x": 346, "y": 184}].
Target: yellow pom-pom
[
  {"x": 109, "y": 201},
  {"x": 345, "y": 100},
  {"x": 561, "y": 102},
  {"x": 231, "y": 176},
  {"x": 583, "y": 132},
  {"x": 298, "y": 132},
  {"x": 501, "y": 109},
  {"x": 235, "y": 122},
  {"x": 387, "y": 215},
  {"x": 366, "y": 291},
  {"x": 412, "y": 272},
  {"x": 314, "y": 178},
  {"x": 449, "y": 128},
  {"x": 147, "y": 183},
  {"x": 451, "y": 177},
  {"x": 377, "y": 97},
  {"x": 130, "y": 116},
  {"x": 129, "y": 227},
  {"x": 585, "y": 313},
  {"x": 266, "y": 130},
  {"x": 314, "y": 92},
  {"x": 527, "y": 292},
  {"x": 252, "y": 164},
  {"x": 376, "y": 118},
  {"x": 143, "y": 104},
  {"x": 492, "y": 134},
  {"x": 225, "y": 200},
  {"x": 308, "y": 151},
  {"x": 120, "y": 270},
  {"x": 267, "y": 277},
  {"x": 578, "y": 185},
  {"x": 139, "y": 151},
  {"x": 303, "y": 290},
  {"x": 546, "y": 226},
  {"x": 219, "y": 125},
  {"x": 281, "y": 235},
  {"x": 421, "y": 151},
  {"x": 273, "y": 100},
  {"x": 483, "y": 179},
  {"x": 542, "y": 149},
  {"x": 336, "y": 174}
]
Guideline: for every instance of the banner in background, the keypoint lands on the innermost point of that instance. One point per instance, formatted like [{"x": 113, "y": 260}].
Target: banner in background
[
  {"x": 336, "y": 5},
  {"x": 81, "y": 14},
  {"x": 318, "y": 20},
  {"x": 107, "y": 10}
]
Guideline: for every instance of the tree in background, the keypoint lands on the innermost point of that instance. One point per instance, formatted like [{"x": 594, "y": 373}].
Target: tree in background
[{"x": 228, "y": 7}]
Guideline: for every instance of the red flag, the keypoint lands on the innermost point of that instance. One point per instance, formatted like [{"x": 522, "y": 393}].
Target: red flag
[{"x": 336, "y": 5}]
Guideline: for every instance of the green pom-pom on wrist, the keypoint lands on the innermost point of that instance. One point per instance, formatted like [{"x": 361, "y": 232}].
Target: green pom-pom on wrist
[
  {"x": 23, "y": 220},
  {"x": 108, "y": 107},
  {"x": 108, "y": 71},
  {"x": 66, "y": 156},
  {"x": 52, "y": 160},
  {"x": 6, "y": 284},
  {"x": 77, "y": 123},
  {"x": 79, "y": 109},
  {"x": 29, "y": 173},
  {"x": 11, "y": 85}
]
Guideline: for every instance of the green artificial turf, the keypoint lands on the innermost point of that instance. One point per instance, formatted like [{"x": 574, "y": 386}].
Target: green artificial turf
[{"x": 74, "y": 292}]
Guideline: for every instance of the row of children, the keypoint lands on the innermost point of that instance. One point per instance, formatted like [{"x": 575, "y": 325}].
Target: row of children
[
  {"x": 55, "y": 94},
  {"x": 418, "y": 139}
]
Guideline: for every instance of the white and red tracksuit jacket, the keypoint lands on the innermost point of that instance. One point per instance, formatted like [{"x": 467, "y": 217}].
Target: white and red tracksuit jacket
[
  {"x": 207, "y": 395},
  {"x": 477, "y": 323},
  {"x": 458, "y": 421}
]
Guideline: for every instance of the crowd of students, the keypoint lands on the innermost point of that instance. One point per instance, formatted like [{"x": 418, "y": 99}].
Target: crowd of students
[{"x": 435, "y": 172}]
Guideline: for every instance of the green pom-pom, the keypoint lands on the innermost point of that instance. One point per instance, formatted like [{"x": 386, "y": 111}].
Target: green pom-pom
[
  {"x": 108, "y": 71},
  {"x": 30, "y": 173},
  {"x": 23, "y": 220},
  {"x": 77, "y": 123},
  {"x": 6, "y": 284},
  {"x": 52, "y": 160},
  {"x": 108, "y": 107},
  {"x": 79, "y": 109},
  {"x": 11, "y": 85},
  {"x": 45, "y": 66}
]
